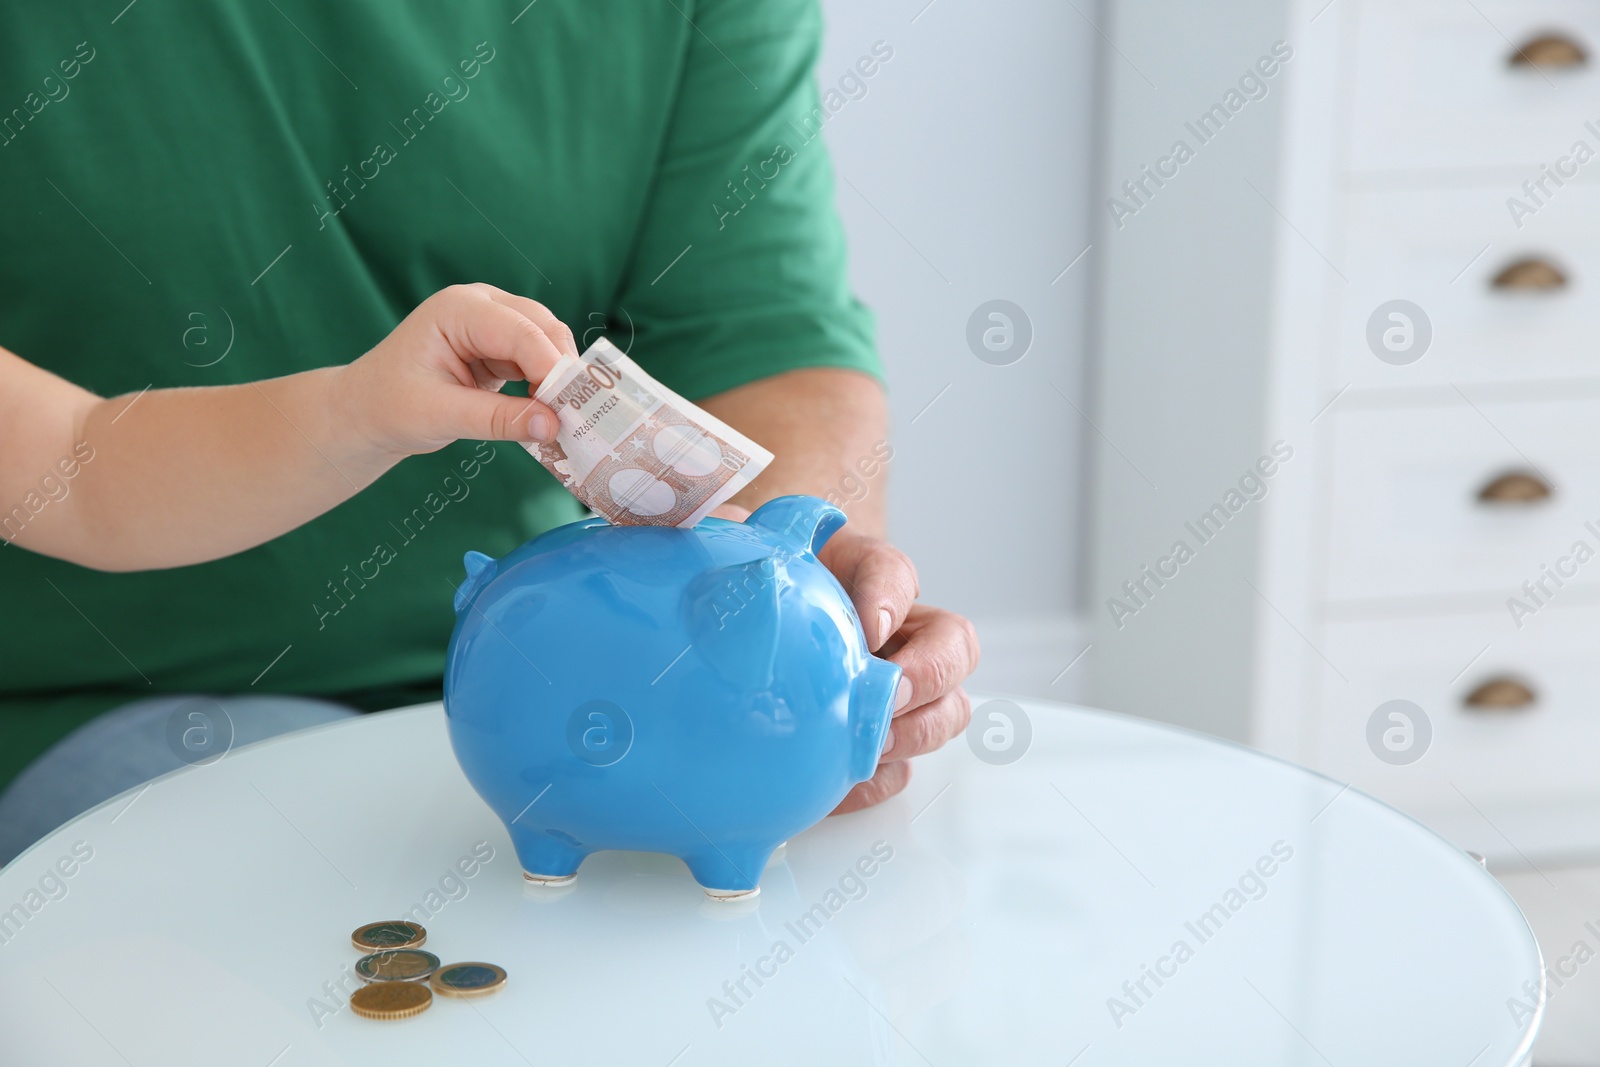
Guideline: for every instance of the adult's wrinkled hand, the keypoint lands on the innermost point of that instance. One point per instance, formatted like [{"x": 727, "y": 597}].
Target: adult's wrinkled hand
[{"x": 936, "y": 649}]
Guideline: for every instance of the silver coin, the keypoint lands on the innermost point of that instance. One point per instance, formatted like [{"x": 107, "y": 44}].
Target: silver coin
[{"x": 397, "y": 965}]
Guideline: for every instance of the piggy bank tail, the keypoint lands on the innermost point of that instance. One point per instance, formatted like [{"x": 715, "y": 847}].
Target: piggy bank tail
[
  {"x": 871, "y": 708},
  {"x": 480, "y": 568}
]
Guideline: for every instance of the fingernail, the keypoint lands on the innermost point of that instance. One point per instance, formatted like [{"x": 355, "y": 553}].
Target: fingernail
[
  {"x": 888, "y": 739},
  {"x": 902, "y": 695},
  {"x": 885, "y": 620},
  {"x": 541, "y": 426}
]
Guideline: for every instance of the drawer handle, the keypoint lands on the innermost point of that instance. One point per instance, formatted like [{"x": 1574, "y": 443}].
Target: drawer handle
[
  {"x": 1530, "y": 273},
  {"x": 1551, "y": 51},
  {"x": 1516, "y": 487},
  {"x": 1500, "y": 694}
]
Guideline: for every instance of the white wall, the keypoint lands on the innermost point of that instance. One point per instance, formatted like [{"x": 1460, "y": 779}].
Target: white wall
[
  {"x": 965, "y": 176},
  {"x": 1183, "y": 346}
]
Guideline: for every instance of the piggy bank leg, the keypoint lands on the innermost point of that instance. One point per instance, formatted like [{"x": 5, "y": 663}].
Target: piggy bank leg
[
  {"x": 732, "y": 872},
  {"x": 545, "y": 861}
]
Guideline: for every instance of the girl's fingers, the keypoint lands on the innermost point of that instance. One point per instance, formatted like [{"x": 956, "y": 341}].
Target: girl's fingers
[
  {"x": 531, "y": 309},
  {"x": 480, "y": 328},
  {"x": 486, "y": 376},
  {"x": 478, "y": 415}
]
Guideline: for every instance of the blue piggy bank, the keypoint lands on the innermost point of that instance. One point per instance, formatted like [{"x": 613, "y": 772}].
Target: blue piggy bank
[{"x": 705, "y": 693}]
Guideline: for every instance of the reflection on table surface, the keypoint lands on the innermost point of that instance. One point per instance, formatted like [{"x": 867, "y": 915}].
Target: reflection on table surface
[{"x": 1122, "y": 894}]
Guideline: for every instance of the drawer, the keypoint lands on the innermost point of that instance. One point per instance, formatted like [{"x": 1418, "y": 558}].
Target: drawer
[
  {"x": 1428, "y": 247},
  {"x": 1432, "y": 85},
  {"x": 1406, "y": 518},
  {"x": 1496, "y": 751}
]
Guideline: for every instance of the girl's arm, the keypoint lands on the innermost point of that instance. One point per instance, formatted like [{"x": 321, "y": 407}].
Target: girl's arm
[{"x": 170, "y": 477}]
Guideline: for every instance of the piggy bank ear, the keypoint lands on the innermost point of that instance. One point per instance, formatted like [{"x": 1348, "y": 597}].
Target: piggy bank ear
[
  {"x": 732, "y": 618},
  {"x": 799, "y": 522},
  {"x": 480, "y": 568}
]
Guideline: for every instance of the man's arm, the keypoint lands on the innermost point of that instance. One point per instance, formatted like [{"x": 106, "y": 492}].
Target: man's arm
[{"x": 820, "y": 424}]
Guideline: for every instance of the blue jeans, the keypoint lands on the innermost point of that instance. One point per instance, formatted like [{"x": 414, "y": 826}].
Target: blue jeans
[{"x": 136, "y": 742}]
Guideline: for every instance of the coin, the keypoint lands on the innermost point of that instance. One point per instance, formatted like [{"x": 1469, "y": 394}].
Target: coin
[
  {"x": 397, "y": 965},
  {"x": 391, "y": 1000},
  {"x": 468, "y": 979},
  {"x": 396, "y": 933}
]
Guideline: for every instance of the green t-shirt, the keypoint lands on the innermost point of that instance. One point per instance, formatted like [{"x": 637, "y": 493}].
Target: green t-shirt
[{"x": 212, "y": 193}]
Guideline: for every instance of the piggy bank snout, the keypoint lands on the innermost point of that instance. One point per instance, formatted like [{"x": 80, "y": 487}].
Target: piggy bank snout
[{"x": 871, "y": 709}]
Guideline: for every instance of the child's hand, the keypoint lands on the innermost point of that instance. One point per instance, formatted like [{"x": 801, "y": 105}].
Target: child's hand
[
  {"x": 436, "y": 378},
  {"x": 261, "y": 458}
]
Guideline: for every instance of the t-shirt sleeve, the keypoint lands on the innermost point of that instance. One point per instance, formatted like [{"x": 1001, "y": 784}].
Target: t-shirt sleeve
[{"x": 739, "y": 267}]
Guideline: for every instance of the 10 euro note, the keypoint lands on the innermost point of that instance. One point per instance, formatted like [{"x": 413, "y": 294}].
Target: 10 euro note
[{"x": 635, "y": 452}]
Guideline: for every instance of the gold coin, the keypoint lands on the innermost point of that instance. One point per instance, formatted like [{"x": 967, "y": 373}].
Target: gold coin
[
  {"x": 397, "y": 965},
  {"x": 468, "y": 979},
  {"x": 395, "y": 933},
  {"x": 391, "y": 1000}
]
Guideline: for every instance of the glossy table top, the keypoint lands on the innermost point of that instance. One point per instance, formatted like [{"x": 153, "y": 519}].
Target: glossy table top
[{"x": 1123, "y": 893}]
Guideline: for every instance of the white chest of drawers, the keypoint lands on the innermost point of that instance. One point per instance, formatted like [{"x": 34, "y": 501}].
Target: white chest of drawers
[{"x": 1424, "y": 500}]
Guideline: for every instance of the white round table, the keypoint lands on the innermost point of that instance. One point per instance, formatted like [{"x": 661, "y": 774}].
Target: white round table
[{"x": 1123, "y": 893}]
